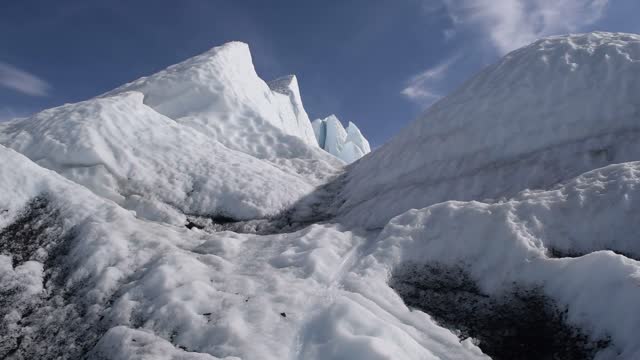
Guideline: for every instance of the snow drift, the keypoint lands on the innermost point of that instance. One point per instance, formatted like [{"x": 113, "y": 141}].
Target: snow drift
[{"x": 347, "y": 144}]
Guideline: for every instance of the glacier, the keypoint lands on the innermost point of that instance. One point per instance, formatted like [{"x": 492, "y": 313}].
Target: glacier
[
  {"x": 198, "y": 213},
  {"x": 347, "y": 144},
  {"x": 541, "y": 115},
  {"x": 199, "y": 146}
]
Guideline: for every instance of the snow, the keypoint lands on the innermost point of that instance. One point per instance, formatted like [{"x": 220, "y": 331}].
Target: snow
[
  {"x": 288, "y": 85},
  {"x": 153, "y": 290},
  {"x": 152, "y": 147},
  {"x": 526, "y": 177},
  {"x": 510, "y": 242},
  {"x": 220, "y": 94},
  {"x": 347, "y": 144},
  {"x": 122, "y": 343},
  {"x": 543, "y": 114}
]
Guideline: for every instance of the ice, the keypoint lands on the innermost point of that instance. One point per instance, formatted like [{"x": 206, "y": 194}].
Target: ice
[
  {"x": 220, "y": 94},
  {"x": 517, "y": 192},
  {"x": 288, "y": 85},
  {"x": 129, "y": 288},
  {"x": 204, "y": 137},
  {"x": 517, "y": 242},
  {"x": 543, "y": 114},
  {"x": 347, "y": 144}
]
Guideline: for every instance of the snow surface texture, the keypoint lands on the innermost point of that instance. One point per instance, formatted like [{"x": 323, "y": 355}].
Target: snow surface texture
[
  {"x": 543, "y": 114},
  {"x": 204, "y": 137},
  {"x": 220, "y": 94},
  {"x": 516, "y": 242},
  {"x": 127, "y": 288},
  {"x": 347, "y": 145},
  {"x": 96, "y": 261}
]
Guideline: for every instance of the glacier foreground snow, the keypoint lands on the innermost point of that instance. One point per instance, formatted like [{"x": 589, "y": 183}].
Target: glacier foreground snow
[{"x": 501, "y": 224}]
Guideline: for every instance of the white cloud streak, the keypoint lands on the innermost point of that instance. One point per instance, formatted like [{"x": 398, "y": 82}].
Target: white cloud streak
[
  {"x": 18, "y": 80},
  {"x": 510, "y": 24},
  {"x": 422, "y": 87},
  {"x": 507, "y": 25}
]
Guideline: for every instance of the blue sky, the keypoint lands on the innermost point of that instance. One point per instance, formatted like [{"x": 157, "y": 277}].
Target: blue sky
[{"x": 378, "y": 63}]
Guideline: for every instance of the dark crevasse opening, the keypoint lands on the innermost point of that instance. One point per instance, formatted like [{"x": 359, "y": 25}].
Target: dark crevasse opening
[{"x": 521, "y": 323}]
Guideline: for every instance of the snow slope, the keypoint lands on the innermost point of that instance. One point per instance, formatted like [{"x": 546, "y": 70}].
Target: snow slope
[
  {"x": 204, "y": 137},
  {"x": 516, "y": 198},
  {"x": 544, "y": 113},
  {"x": 518, "y": 242},
  {"x": 347, "y": 144},
  {"x": 81, "y": 275}
]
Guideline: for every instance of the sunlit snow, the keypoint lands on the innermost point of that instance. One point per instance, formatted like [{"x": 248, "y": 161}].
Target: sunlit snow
[{"x": 197, "y": 213}]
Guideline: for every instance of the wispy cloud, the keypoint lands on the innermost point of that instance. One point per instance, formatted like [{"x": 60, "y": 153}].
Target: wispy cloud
[
  {"x": 9, "y": 113},
  {"x": 15, "y": 79},
  {"x": 509, "y": 24},
  {"x": 423, "y": 87},
  {"x": 506, "y": 25}
]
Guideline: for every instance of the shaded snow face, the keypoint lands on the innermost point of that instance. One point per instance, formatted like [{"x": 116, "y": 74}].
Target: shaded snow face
[
  {"x": 543, "y": 114},
  {"x": 347, "y": 144}
]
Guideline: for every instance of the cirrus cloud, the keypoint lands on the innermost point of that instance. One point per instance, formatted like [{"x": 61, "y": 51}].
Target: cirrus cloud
[
  {"x": 422, "y": 87},
  {"x": 19, "y": 80},
  {"x": 510, "y": 24},
  {"x": 505, "y": 25}
]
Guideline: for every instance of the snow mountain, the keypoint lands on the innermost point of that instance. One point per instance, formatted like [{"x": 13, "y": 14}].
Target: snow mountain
[
  {"x": 347, "y": 144},
  {"x": 197, "y": 213}
]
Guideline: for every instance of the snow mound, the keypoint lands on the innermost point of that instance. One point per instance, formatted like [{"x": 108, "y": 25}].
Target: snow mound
[
  {"x": 519, "y": 241},
  {"x": 169, "y": 144},
  {"x": 348, "y": 145},
  {"x": 543, "y": 114}
]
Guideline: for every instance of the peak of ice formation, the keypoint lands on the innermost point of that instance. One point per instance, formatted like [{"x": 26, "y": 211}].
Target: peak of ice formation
[
  {"x": 203, "y": 137},
  {"x": 220, "y": 94},
  {"x": 543, "y": 114},
  {"x": 347, "y": 144},
  {"x": 509, "y": 207}
]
